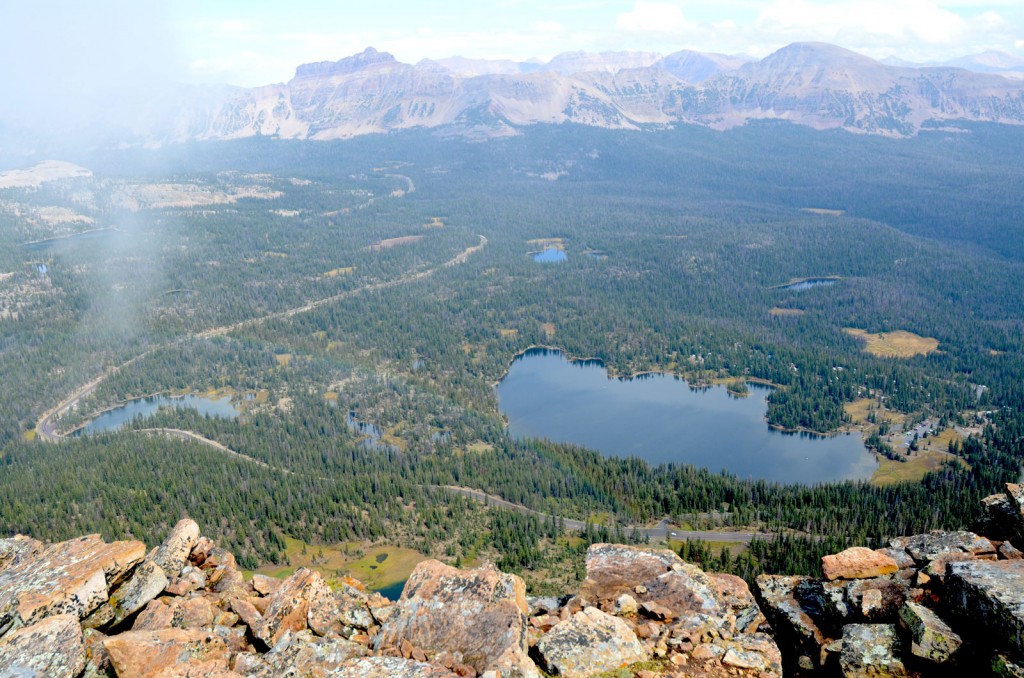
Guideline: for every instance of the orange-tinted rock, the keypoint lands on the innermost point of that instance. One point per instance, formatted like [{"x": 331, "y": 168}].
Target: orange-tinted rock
[
  {"x": 147, "y": 654},
  {"x": 70, "y": 577},
  {"x": 290, "y": 605},
  {"x": 53, "y": 648},
  {"x": 247, "y": 612},
  {"x": 857, "y": 563},
  {"x": 479, "y": 613},
  {"x": 265, "y": 585}
]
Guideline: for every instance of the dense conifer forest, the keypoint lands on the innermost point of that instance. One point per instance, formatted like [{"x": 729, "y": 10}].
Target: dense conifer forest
[{"x": 333, "y": 291}]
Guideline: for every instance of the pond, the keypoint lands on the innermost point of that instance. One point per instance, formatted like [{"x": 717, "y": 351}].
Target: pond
[
  {"x": 392, "y": 592},
  {"x": 550, "y": 255},
  {"x": 116, "y": 418},
  {"x": 807, "y": 283},
  {"x": 661, "y": 419}
]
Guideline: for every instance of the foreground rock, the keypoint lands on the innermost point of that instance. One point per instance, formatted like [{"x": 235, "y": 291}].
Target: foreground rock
[
  {"x": 590, "y": 641},
  {"x": 53, "y": 647},
  {"x": 149, "y": 653},
  {"x": 479, "y": 614},
  {"x": 992, "y": 594},
  {"x": 72, "y": 577}
]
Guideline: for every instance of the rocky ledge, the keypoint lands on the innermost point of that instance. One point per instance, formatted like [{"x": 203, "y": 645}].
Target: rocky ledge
[
  {"x": 949, "y": 603},
  {"x": 943, "y": 603}
]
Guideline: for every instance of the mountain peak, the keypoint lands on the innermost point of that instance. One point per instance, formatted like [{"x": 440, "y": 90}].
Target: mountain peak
[{"x": 357, "y": 62}]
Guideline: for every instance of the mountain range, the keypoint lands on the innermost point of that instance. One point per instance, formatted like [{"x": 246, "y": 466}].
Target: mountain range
[{"x": 815, "y": 84}]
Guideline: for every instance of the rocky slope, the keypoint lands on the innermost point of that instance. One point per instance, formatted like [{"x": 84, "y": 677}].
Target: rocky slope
[
  {"x": 950, "y": 603},
  {"x": 813, "y": 84}
]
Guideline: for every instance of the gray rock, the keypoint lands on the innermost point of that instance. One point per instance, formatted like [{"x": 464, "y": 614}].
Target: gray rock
[
  {"x": 390, "y": 667},
  {"x": 589, "y": 642},
  {"x": 53, "y": 648},
  {"x": 989, "y": 595},
  {"x": 870, "y": 650},
  {"x": 146, "y": 583},
  {"x": 300, "y": 654},
  {"x": 794, "y": 627},
  {"x": 172, "y": 554},
  {"x": 931, "y": 638},
  {"x": 479, "y": 613},
  {"x": 651, "y": 575},
  {"x": 924, "y": 548}
]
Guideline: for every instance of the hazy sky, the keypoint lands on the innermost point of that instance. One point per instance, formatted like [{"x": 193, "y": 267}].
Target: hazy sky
[{"x": 252, "y": 42}]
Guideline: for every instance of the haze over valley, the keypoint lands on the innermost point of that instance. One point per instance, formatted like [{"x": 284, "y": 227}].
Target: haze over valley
[{"x": 753, "y": 309}]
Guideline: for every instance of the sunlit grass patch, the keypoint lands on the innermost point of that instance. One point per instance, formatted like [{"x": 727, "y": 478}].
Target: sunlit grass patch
[
  {"x": 898, "y": 344},
  {"x": 786, "y": 312}
]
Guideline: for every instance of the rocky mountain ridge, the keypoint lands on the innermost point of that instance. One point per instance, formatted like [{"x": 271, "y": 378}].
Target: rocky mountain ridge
[
  {"x": 940, "y": 603},
  {"x": 814, "y": 84}
]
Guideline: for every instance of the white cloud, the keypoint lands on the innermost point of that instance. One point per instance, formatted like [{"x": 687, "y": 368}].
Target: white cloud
[
  {"x": 652, "y": 17},
  {"x": 907, "y": 20}
]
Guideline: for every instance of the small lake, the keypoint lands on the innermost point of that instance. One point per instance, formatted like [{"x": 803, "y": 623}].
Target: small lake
[
  {"x": 807, "y": 284},
  {"x": 550, "y": 255},
  {"x": 114, "y": 419},
  {"x": 659, "y": 418},
  {"x": 392, "y": 592}
]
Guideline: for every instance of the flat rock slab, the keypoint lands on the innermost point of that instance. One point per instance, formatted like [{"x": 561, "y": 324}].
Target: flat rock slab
[
  {"x": 657, "y": 577},
  {"x": 480, "y": 614},
  {"x": 144, "y": 654},
  {"x": 301, "y": 654},
  {"x": 924, "y": 548},
  {"x": 990, "y": 594},
  {"x": 857, "y": 563},
  {"x": 70, "y": 577},
  {"x": 53, "y": 648},
  {"x": 390, "y": 667},
  {"x": 589, "y": 642}
]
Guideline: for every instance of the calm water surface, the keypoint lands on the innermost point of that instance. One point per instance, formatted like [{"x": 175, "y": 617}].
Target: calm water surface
[
  {"x": 116, "y": 418},
  {"x": 659, "y": 418},
  {"x": 551, "y": 255}
]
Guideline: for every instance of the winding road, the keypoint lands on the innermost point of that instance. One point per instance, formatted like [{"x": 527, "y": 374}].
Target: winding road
[
  {"x": 660, "y": 532},
  {"x": 46, "y": 428}
]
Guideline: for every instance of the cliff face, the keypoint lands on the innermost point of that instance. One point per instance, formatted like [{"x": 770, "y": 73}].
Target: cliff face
[
  {"x": 941, "y": 602},
  {"x": 812, "y": 84}
]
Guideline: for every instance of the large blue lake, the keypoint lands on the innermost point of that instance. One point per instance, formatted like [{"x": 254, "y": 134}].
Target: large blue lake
[{"x": 659, "y": 418}]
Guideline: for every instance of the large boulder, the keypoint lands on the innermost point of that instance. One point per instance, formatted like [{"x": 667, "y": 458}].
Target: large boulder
[
  {"x": 172, "y": 554},
  {"x": 146, "y": 583},
  {"x": 989, "y": 595},
  {"x": 657, "y": 578},
  {"x": 589, "y": 642},
  {"x": 479, "y": 613},
  {"x": 53, "y": 648},
  {"x": 794, "y": 627},
  {"x": 144, "y": 654},
  {"x": 289, "y": 607},
  {"x": 931, "y": 638},
  {"x": 71, "y": 577},
  {"x": 857, "y": 563},
  {"x": 870, "y": 651}
]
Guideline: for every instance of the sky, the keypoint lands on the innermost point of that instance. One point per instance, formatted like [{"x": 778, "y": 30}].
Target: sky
[{"x": 67, "y": 43}]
